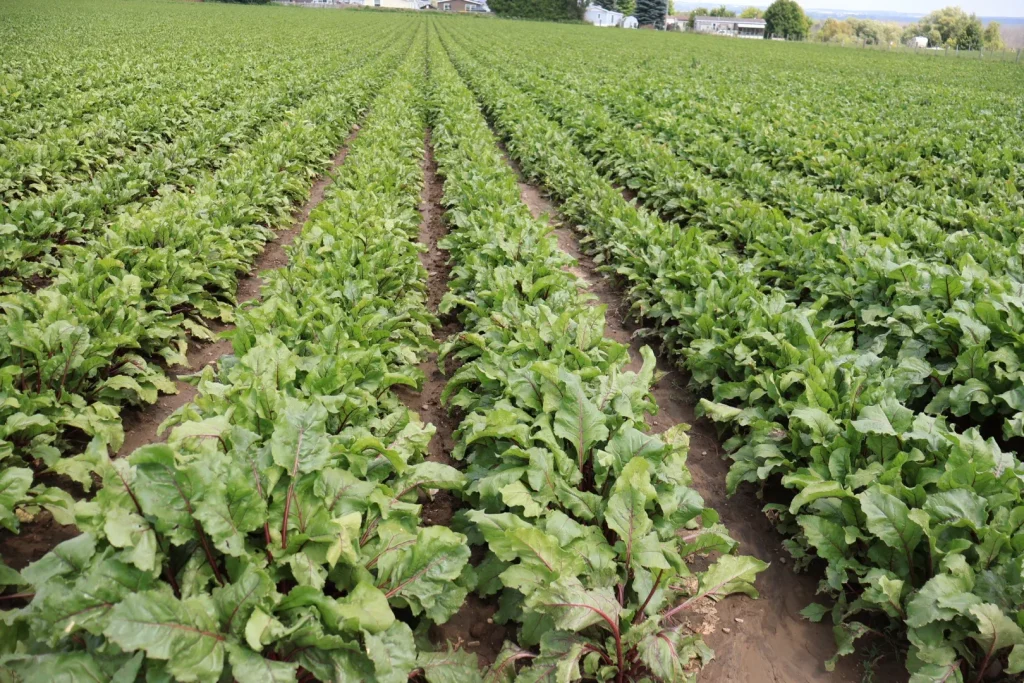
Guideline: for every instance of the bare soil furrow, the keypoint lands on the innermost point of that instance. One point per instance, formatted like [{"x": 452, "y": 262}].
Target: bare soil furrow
[
  {"x": 428, "y": 401},
  {"x": 471, "y": 628},
  {"x": 760, "y": 632}
]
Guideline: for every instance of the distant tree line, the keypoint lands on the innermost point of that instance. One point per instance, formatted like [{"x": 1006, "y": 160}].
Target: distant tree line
[
  {"x": 651, "y": 13},
  {"x": 947, "y": 27},
  {"x": 953, "y": 27},
  {"x": 867, "y": 31}
]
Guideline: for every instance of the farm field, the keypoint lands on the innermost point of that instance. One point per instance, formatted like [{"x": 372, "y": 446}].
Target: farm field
[{"x": 381, "y": 346}]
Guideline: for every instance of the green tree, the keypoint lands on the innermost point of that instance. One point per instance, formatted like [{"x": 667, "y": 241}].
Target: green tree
[
  {"x": 751, "y": 13},
  {"x": 698, "y": 12},
  {"x": 721, "y": 12},
  {"x": 934, "y": 38},
  {"x": 627, "y": 7},
  {"x": 971, "y": 37},
  {"x": 786, "y": 18},
  {"x": 954, "y": 27},
  {"x": 888, "y": 32},
  {"x": 834, "y": 31},
  {"x": 547, "y": 10},
  {"x": 651, "y": 13},
  {"x": 993, "y": 39}
]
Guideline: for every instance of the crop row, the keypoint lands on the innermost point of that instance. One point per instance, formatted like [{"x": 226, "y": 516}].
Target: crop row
[
  {"x": 705, "y": 152},
  {"x": 917, "y": 136},
  {"x": 937, "y": 297},
  {"x": 987, "y": 199},
  {"x": 588, "y": 519},
  {"x": 953, "y": 320},
  {"x": 916, "y": 520},
  {"x": 51, "y": 87},
  {"x": 64, "y": 66},
  {"x": 43, "y": 230},
  {"x": 76, "y": 154},
  {"x": 277, "y": 533},
  {"x": 906, "y": 145},
  {"x": 76, "y": 352}
]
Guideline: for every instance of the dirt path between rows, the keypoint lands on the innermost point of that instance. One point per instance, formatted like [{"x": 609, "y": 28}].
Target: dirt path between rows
[
  {"x": 757, "y": 641},
  {"x": 471, "y": 628},
  {"x": 40, "y": 535}
]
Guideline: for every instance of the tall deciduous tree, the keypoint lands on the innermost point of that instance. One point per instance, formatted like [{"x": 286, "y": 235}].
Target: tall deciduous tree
[
  {"x": 697, "y": 12},
  {"x": 993, "y": 39},
  {"x": 786, "y": 18},
  {"x": 835, "y": 31},
  {"x": 751, "y": 13},
  {"x": 971, "y": 37},
  {"x": 651, "y": 13}
]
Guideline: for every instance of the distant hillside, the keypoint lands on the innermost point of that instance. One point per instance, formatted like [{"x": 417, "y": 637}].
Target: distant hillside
[{"x": 1013, "y": 36}]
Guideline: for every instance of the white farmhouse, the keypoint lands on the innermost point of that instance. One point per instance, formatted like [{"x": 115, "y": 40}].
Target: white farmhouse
[
  {"x": 599, "y": 16},
  {"x": 919, "y": 41},
  {"x": 730, "y": 26}
]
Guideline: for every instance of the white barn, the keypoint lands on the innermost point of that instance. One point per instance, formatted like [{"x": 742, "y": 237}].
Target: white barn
[{"x": 599, "y": 16}]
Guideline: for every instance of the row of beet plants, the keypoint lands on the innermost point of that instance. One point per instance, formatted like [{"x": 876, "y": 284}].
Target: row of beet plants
[
  {"x": 277, "y": 534},
  {"x": 713, "y": 170},
  {"x": 73, "y": 354},
  {"x": 62, "y": 70},
  {"x": 70, "y": 154},
  {"x": 918, "y": 523},
  {"x": 832, "y": 134},
  {"x": 588, "y": 519},
  {"x": 41, "y": 230},
  {"x": 940, "y": 308}
]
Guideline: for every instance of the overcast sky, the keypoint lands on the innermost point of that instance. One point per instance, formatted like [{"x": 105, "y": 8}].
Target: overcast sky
[{"x": 987, "y": 8}]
